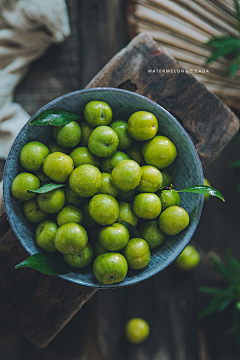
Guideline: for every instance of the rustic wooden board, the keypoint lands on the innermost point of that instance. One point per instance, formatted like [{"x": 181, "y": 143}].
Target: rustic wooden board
[
  {"x": 52, "y": 301},
  {"x": 210, "y": 123}
]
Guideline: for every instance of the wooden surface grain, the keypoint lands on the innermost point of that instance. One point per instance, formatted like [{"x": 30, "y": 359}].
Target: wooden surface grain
[{"x": 40, "y": 306}]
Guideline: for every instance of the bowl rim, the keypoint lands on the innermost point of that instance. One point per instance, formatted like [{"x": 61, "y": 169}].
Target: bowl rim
[{"x": 170, "y": 259}]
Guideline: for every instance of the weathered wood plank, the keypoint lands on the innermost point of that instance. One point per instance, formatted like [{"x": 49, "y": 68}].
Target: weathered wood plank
[
  {"x": 210, "y": 123},
  {"x": 39, "y": 305}
]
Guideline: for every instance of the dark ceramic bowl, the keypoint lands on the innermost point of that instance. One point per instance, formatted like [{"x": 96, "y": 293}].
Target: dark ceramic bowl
[{"x": 123, "y": 103}]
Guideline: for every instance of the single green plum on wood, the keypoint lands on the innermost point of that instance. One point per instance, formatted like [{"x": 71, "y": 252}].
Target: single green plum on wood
[
  {"x": 188, "y": 259},
  {"x": 137, "y": 330}
]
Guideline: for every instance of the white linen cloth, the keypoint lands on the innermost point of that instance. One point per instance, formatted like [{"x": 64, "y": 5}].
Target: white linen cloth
[{"x": 27, "y": 29}]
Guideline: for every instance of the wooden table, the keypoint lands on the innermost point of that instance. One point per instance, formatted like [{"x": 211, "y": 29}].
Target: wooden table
[{"x": 40, "y": 306}]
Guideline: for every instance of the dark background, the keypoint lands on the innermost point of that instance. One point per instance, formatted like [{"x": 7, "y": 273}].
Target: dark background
[{"x": 169, "y": 301}]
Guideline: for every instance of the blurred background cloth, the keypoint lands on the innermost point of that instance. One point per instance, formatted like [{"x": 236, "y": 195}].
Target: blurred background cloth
[{"x": 27, "y": 29}]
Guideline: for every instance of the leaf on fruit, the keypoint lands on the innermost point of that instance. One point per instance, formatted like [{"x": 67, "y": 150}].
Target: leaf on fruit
[
  {"x": 46, "y": 263},
  {"x": 54, "y": 117},
  {"x": 46, "y": 188},
  {"x": 203, "y": 189},
  {"x": 132, "y": 230}
]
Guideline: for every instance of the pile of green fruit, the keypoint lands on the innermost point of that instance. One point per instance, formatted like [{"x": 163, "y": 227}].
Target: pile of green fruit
[{"x": 96, "y": 182}]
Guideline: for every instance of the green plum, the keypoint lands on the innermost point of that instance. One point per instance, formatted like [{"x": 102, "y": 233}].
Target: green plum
[
  {"x": 107, "y": 186},
  {"x": 82, "y": 155},
  {"x": 45, "y": 233},
  {"x": 51, "y": 202},
  {"x": 173, "y": 220},
  {"x": 126, "y": 175},
  {"x": 188, "y": 259},
  {"x": 41, "y": 177},
  {"x": 88, "y": 221},
  {"x": 68, "y": 135},
  {"x": 142, "y": 125},
  {"x": 169, "y": 198},
  {"x": 86, "y": 180},
  {"x": 107, "y": 165},
  {"x": 99, "y": 249},
  {"x": 114, "y": 237},
  {"x": 147, "y": 206},
  {"x": 104, "y": 209},
  {"x": 69, "y": 214},
  {"x": 72, "y": 198},
  {"x": 137, "y": 330},
  {"x": 58, "y": 166},
  {"x": 207, "y": 183},
  {"x": 167, "y": 177},
  {"x": 110, "y": 268},
  {"x": 97, "y": 113},
  {"x": 23, "y": 182},
  {"x": 151, "y": 179},
  {"x": 151, "y": 233},
  {"x": 103, "y": 141},
  {"x": 33, "y": 212},
  {"x": 54, "y": 147},
  {"x": 86, "y": 132},
  {"x": 32, "y": 155},
  {"x": 137, "y": 253},
  {"x": 82, "y": 259},
  {"x": 159, "y": 152},
  {"x": 70, "y": 238},
  {"x": 126, "y": 213},
  {"x": 125, "y": 140},
  {"x": 135, "y": 153},
  {"x": 127, "y": 195}
]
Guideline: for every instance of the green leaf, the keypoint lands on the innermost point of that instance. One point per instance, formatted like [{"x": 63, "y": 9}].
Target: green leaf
[
  {"x": 215, "y": 291},
  {"x": 237, "y": 9},
  {"x": 235, "y": 164},
  {"x": 54, "y": 117},
  {"x": 46, "y": 188},
  {"x": 132, "y": 230},
  {"x": 203, "y": 189},
  {"x": 46, "y": 263},
  {"x": 220, "y": 267}
]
